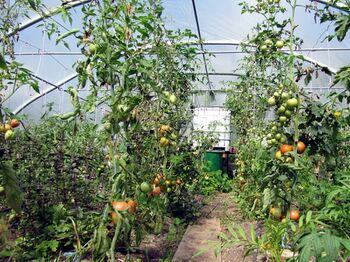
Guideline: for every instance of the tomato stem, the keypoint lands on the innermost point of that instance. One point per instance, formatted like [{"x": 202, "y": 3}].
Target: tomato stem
[
  {"x": 115, "y": 237},
  {"x": 291, "y": 74}
]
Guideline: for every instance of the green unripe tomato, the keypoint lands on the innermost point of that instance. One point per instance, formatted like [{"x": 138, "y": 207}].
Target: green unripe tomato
[
  {"x": 283, "y": 119},
  {"x": 284, "y": 95},
  {"x": 9, "y": 135},
  {"x": 263, "y": 48},
  {"x": 145, "y": 187},
  {"x": 292, "y": 102},
  {"x": 92, "y": 48},
  {"x": 281, "y": 109},
  {"x": 287, "y": 113},
  {"x": 268, "y": 42},
  {"x": 279, "y": 44},
  {"x": 172, "y": 99},
  {"x": 278, "y": 136},
  {"x": 271, "y": 101},
  {"x": 276, "y": 94}
]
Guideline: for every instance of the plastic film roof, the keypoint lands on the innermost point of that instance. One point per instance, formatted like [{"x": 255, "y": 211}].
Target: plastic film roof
[{"x": 222, "y": 28}]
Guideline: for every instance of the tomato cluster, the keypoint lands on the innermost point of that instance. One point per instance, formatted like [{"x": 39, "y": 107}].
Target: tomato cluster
[
  {"x": 276, "y": 212},
  {"x": 285, "y": 105},
  {"x": 268, "y": 45},
  {"x": 285, "y": 148},
  {"x": 122, "y": 206},
  {"x": 7, "y": 128},
  {"x": 160, "y": 184},
  {"x": 167, "y": 136}
]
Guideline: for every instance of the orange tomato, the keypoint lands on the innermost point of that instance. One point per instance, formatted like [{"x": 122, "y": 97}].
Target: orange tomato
[
  {"x": 276, "y": 212},
  {"x": 157, "y": 191},
  {"x": 156, "y": 181},
  {"x": 132, "y": 206},
  {"x": 301, "y": 147},
  {"x": 278, "y": 155},
  {"x": 5, "y": 127},
  {"x": 286, "y": 148},
  {"x": 120, "y": 205},
  {"x": 294, "y": 215}
]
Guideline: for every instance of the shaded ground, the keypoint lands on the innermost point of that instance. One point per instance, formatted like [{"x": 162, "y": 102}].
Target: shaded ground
[{"x": 156, "y": 248}]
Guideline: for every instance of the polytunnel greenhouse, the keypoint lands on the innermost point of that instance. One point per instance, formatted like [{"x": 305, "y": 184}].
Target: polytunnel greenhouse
[{"x": 175, "y": 130}]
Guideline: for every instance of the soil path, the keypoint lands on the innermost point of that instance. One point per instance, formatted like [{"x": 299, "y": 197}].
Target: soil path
[{"x": 219, "y": 210}]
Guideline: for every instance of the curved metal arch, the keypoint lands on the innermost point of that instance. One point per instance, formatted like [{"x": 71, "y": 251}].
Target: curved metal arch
[
  {"x": 337, "y": 6},
  {"x": 39, "y": 18},
  {"x": 54, "y": 87},
  {"x": 217, "y": 42},
  {"x": 75, "y": 3},
  {"x": 305, "y": 58}
]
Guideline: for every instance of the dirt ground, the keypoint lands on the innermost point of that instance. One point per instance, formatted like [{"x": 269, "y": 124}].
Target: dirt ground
[
  {"x": 219, "y": 206},
  {"x": 222, "y": 206}
]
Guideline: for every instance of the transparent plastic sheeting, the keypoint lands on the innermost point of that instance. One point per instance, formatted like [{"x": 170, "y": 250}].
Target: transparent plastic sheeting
[{"x": 218, "y": 20}]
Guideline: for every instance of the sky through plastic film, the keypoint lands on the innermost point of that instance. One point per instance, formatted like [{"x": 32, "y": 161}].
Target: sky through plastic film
[{"x": 218, "y": 21}]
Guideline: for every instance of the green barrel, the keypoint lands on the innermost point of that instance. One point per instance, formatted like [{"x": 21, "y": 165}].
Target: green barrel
[{"x": 215, "y": 157}]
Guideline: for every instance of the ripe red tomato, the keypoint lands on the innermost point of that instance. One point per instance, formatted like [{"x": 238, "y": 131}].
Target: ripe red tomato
[
  {"x": 294, "y": 215},
  {"x": 286, "y": 148},
  {"x": 14, "y": 123},
  {"x": 301, "y": 147},
  {"x": 120, "y": 205}
]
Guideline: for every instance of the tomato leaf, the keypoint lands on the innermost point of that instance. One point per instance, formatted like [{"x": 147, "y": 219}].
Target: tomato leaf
[
  {"x": 35, "y": 86},
  {"x": 32, "y": 4},
  {"x": 342, "y": 25},
  {"x": 61, "y": 37},
  {"x": 14, "y": 197},
  {"x": 2, "y": 62},
  {"x": 308, "y": 217}
]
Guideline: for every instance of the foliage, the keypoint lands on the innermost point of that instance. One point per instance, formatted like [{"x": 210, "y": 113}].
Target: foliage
[
  {"x": 59, "y": 176},
  {"x": 320, "y": 127},
  {"x": 10, "y": 182},
  {"x": 272, "y": 183},
  {"x": 323, "y": 246},
  {"x": 268, "y": 243},
  {"x": 335, "y": 211},
  {"x": 214, "y": 181}
]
